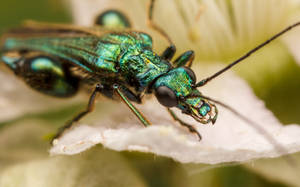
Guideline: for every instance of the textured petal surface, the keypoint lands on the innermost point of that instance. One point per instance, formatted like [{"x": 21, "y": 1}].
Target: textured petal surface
[
  {"x": 230, "y": 139},
  {"x": 215, "y": 30}
]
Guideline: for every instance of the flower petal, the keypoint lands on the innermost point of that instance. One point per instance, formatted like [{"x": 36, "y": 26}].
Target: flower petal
[
  {"x": 215, "y": 30},
  {"x": 278, "y": 169},
  {"x": 94, "y": 168},
  {"x": 230, "y": 139}
]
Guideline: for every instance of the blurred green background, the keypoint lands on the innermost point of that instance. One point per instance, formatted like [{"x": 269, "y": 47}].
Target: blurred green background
[
  {"x": 155, "y": 171},
  {"x": 14, "y": 12}
]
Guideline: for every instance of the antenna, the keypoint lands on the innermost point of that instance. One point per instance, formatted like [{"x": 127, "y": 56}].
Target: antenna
[{"x": 206, "y": 80}]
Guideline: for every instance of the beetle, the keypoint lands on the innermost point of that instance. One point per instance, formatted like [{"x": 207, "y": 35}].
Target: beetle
[{"x": 116, "y": 61}]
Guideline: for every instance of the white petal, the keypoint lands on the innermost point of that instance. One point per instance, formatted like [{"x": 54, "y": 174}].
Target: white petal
[
  {"x": 230, "y": 139},
  {"x": 95, "y": 168},
  {"x": 292, "y": 41},
  {"x": 85, "y": 12},
  {"x": 214, "y": 29}
]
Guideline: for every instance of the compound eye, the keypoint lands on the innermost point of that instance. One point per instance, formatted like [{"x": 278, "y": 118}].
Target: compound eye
[
  {"x": 191, "y": 74},
  {"x": 166, "y": 96}
]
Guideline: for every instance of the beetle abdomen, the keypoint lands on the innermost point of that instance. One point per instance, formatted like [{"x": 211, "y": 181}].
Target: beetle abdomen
[{"x": 42, "y": 73}]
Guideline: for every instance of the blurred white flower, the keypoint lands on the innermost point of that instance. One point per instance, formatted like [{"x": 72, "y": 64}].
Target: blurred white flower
[{"x": 94, "y": 168}]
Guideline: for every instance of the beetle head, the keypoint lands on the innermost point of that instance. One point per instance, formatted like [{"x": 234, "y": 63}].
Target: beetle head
[{"x": 176, "y": 89}]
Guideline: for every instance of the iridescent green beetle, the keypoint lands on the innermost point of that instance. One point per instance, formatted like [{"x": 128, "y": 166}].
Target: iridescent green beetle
[{"x": 58, "y": 59}]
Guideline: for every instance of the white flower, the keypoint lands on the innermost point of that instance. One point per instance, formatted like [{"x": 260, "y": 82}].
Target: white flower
[
  {"x": 223, "y": 31},
  {"x": 218, "y": 31}
]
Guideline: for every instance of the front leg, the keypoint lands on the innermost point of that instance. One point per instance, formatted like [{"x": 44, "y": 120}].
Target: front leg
[
  {"x": 190, "y": 127},
  {"x": 136, "y": 112},
  {"x": 186, "y": 59},
  {"x": 130, "y": 95},
  {"x": 168, "y": 53}
]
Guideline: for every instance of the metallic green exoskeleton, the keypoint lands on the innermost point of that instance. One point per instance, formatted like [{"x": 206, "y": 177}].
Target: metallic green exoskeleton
[{"x": 59, "y": 59}]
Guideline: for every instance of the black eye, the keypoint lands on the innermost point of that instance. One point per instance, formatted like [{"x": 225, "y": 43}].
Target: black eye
[
  {"x": 191, "y": 74},
  {"x": 166, "y": 96}
]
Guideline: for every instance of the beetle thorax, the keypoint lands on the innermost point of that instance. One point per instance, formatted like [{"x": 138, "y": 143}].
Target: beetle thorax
[{"x": 142, "y": 67}]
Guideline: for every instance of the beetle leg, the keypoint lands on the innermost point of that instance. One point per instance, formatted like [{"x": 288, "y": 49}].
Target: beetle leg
[
  {"x": 153, "y": 25},
  {"x": 168, "y": 53},
  {"x": 186, "y": 59},
  {"x": 190, "y": 127},
  {"x": 138, "y": 114},
  {"x": 89, "y": 109},
  {"x": 130, "y": 95}
]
